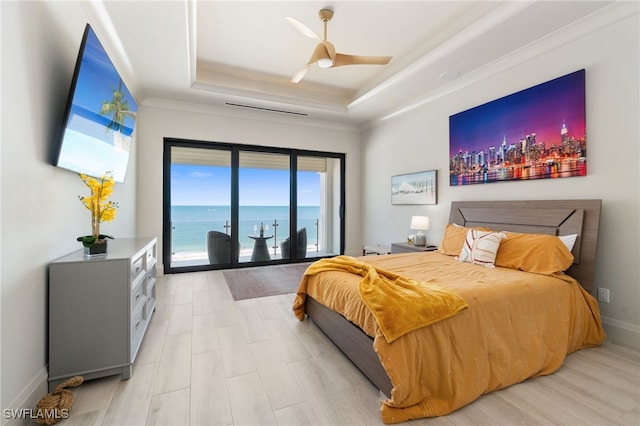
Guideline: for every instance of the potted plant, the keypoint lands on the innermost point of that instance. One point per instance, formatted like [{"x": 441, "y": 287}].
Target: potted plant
[{"x": 102, "y": 210}]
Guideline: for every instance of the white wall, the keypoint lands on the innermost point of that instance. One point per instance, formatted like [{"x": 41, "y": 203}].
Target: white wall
[
  {"x": 419, "y": 140},
  {"x": 215, "y": 124},
  {"x": 41, "y": 215}
]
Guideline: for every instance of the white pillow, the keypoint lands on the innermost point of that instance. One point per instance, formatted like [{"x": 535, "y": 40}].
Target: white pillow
[
  {"x": 568, "y": 240},
  {"x": 481, "y": 247}
]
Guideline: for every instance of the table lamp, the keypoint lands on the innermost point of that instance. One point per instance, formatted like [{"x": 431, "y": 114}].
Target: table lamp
[{"x": 420, "y": 223}]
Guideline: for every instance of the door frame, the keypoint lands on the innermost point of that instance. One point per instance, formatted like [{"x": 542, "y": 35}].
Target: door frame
[{"x": 235, "y": 149}]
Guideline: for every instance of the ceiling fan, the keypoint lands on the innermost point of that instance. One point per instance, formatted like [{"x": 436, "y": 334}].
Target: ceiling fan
[{"x": 325, "y": 53}]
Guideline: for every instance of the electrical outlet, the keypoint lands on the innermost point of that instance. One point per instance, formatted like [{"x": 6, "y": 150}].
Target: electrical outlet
[{"x": 603, "y": 294}]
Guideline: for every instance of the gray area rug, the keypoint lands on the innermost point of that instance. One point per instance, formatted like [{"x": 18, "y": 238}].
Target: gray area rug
[{"x": 262, "y": 281}]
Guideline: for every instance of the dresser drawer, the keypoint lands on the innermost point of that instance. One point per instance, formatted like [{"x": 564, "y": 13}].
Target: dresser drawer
[
  {"x": 137, "y": 294},
  {"x": 138, "y": 326},
  {"x": 151, "y": 256},
  {"x": 137, "y": 320},
  {"x": 137, "y": 268}
]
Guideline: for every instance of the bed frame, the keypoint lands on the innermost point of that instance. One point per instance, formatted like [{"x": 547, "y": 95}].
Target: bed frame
[{"x": 553, "y": 217}]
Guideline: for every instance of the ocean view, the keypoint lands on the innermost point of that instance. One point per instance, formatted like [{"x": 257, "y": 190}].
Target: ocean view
[{"x": 191, "y": 224}]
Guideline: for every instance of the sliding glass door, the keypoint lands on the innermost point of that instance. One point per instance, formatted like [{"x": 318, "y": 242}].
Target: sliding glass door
[
  {"x": 228, "y": 206},
  {"x": 264, "y": 183},
  {"x": 319, "y": 188},
  {"x": 200, "y": 209}
]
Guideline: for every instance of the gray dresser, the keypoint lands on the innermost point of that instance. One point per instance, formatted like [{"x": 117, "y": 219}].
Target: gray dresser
[{"x": 99, "y": 309}]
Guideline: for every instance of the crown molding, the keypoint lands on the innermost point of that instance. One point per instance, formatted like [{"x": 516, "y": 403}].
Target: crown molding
[
  {"x": 102, "y": 24},
  {"x": 450, "y": 46},
  {"x": 591, "y": 24}
]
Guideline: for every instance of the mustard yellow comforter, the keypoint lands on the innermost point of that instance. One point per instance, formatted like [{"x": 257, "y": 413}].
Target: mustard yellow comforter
[
  {"x": 517, "y": 325},
  {"x": 399, "y": 304}
]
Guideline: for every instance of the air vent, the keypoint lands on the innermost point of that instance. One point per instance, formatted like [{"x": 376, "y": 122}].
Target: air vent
[{"x": 281, "y": 111}]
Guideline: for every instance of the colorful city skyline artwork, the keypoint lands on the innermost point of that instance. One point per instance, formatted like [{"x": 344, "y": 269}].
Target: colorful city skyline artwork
[{"x": 537, "y": 133}]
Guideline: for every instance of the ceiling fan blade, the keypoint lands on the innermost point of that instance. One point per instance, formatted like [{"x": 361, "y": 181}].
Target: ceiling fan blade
[
  {"x": 300, "y": 74},
  {"x": 319, "y": 52},
  {"x": 303, "y": 28},
  {"x": 322, "y": 51},
  {"x": 324, "y": 54},
  {"x": 342, "y": 60},
  {"x": 331, "y": 50}
]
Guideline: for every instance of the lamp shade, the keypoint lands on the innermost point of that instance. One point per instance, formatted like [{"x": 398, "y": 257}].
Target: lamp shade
[{"x": 420, "y": 223}]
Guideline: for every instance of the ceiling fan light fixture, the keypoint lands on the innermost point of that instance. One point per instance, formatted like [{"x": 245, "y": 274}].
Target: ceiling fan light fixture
[
  {"x": 325, "y": 54},
  {"x": 325, "y": 63}
]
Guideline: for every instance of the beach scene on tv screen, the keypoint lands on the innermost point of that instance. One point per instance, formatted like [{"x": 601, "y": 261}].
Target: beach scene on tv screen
[{"x": 98, "y": 134}]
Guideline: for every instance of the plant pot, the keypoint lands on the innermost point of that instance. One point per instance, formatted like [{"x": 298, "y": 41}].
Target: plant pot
[{"x": 99, "y": 248}]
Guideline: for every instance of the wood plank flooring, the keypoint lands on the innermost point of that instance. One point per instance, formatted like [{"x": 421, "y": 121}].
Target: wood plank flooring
[{"x": 207, "y": 360}]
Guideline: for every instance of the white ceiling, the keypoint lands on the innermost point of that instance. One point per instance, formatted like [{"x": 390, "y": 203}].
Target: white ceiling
[{"x": 245, "y": 52}]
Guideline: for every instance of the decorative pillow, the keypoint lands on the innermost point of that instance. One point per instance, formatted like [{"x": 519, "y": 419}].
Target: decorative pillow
[
  {"x": 568, "y": 240},
  {"x": 537, "y": 253},
  {"x": 453, "y": 239},
  {"x": 481, "y": 247}
]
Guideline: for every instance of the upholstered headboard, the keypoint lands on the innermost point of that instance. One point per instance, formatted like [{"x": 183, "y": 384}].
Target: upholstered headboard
[{"x": 553, "y": 217}]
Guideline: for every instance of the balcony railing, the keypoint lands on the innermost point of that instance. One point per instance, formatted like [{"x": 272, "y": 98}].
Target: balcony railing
[{"x": 189, "y": 239}]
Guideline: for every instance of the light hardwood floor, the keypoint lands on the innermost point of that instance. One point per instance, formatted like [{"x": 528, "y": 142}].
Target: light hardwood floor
[{"x": 208, "y": 360}]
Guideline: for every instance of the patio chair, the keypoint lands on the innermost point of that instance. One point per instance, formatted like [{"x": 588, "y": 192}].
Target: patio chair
[{"x": 302, "y": 245}]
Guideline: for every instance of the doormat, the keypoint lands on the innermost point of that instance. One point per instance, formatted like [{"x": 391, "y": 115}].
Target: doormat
[{"x": 262, "y": 281}]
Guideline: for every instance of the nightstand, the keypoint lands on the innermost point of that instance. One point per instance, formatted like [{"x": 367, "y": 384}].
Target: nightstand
[{"x": 408, "y": 248}]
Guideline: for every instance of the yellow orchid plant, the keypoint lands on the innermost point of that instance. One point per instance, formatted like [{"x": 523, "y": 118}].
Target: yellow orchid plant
[{"x": 97, "y": 203}]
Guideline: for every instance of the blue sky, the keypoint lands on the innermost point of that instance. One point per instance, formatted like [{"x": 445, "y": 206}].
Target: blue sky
[{"x": 211, "y": 186}]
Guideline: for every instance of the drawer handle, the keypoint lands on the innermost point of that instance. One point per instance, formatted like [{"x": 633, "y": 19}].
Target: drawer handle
[
  {"x": 137, "y": 296},
  {"x": 137, "y": 268},
  {"x": 137, "y": 324}
]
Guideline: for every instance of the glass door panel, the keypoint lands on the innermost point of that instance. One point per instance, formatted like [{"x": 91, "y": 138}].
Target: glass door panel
[
  {"x": 228, "y": 206},
  {"x": 200, "y": 194},
  {"x": 263, "y": 205},
  {"x": 318, "y": 210}
]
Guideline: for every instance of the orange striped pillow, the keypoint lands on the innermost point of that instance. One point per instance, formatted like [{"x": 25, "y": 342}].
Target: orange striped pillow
[
  {"x": 481, "y": 247},
  {"x": 453, "y": 239}
]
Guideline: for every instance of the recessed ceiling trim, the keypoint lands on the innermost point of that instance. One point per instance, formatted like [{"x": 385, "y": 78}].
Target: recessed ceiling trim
[
  {"x": 192, "y": 45},
  {"x": 244, "y": 80},
  {"x": 166, "y": 58},
  {"x": 280, "y": 111},
  {"x": 454, "y": 43},
  {"x": 251, "y": 96},
  {"x": 579, "y": 29},
  {"x": 220, "y": 110}
]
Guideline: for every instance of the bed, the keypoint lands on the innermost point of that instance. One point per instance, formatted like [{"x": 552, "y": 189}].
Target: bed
[{"x": 519, "y": 317}]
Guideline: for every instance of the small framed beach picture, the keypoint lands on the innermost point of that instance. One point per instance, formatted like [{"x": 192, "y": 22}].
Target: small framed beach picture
[{"x": 415, "y": 188}]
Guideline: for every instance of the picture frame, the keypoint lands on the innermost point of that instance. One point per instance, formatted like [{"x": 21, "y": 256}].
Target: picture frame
[
  {"x": 537, "y": 133},
  {"x": 415, "y": 188}
]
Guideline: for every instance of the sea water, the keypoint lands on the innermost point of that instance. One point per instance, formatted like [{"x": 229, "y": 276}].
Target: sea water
[{"x": 190, "y": 225}]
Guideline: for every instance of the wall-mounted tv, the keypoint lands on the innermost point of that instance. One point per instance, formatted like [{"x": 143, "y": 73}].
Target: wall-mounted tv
[{"x": 99, "y": 117}]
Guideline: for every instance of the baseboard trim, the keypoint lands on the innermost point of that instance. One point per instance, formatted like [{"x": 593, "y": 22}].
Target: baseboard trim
[
  {"x": 27, "y": 399},
  {"x": 622, "y": 333}
]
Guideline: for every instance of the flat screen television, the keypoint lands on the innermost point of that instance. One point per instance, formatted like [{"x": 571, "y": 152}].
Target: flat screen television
[{"x": 99, "y": 118}]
